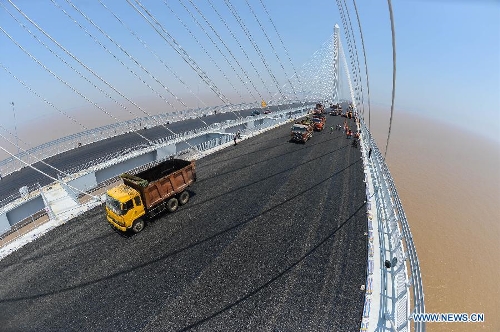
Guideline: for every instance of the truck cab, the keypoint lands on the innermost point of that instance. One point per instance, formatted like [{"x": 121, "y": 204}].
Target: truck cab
[{"x": 124, "y": 206}]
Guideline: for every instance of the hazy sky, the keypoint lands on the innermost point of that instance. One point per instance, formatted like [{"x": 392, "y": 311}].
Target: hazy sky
[{"x": 448, "y": 57}]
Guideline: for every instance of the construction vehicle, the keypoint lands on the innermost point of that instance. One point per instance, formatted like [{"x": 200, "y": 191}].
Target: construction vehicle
[
  {"x": 320, "y": 109},
  {"x": 147, "y": 194},
  {"x": 319, "y": 121},
  {"x": 350, "y": 113},
  {"x": 335, "y": 109},
  {"x": 301, "y": 132}
]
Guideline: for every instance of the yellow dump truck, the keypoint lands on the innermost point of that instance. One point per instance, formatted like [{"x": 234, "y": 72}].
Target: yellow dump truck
[{"x": 149, "y": 193}]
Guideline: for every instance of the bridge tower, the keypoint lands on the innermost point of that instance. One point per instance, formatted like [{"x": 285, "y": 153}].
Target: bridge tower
[{"x": 336, "y": 64}]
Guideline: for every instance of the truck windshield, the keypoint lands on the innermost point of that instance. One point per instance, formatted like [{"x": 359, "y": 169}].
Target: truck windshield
[
  {"x": 299, "y": 130},
  {"x": 114, "y": 205}
]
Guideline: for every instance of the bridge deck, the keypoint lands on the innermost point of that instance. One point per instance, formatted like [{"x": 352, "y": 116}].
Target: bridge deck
[
  {"x": 11, "y": 183},
  {"x": 273, "y": 238}
]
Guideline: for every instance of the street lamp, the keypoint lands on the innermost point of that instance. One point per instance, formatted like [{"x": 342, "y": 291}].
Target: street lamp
[{"x": 15, "y": 127}]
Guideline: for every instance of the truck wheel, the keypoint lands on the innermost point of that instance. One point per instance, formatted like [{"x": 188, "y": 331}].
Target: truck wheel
[
  {"x": 138, "y": 226},
  {"x": 172, "y": 204},
  {"x": 183, "y": 197}
]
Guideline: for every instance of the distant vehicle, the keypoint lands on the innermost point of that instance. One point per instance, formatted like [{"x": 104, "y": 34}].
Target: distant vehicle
[
  {"x": 319, "y": 123},
  {"x": 255, "y": 112},
  {"x": 319, "y": 109},
  {"x": 301, "y": 133},
  {"x": 336, "y": 109},
  {"x": 267, "y": 111},
  {"x": 149, "y": 193}
]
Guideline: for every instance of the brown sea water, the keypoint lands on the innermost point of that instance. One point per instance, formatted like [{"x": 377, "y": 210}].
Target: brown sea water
[{"x": 449, "y": 182}]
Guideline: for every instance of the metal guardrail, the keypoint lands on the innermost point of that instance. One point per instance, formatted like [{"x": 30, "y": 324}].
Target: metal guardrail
[
  {"x": 396, "y": 241},
  {"x": 281, "y": 117},
  {"x": 70, "y": 142}
]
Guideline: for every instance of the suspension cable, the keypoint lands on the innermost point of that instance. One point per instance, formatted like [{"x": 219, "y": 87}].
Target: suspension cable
[
  {"x": 178, "y": 48},
  {"x": 252, "y": 41},
  {"x": 366, "y": 63},
  {"x": 282, "y": 43},
  {"x": 393, "y": 31},
  {"x": 356, "y": 58},
  {"x": 67, "y": 64},
  {"x": 172, "y": 42},
  {"x": 116, "y": 58},
  {"x": 47, "y": 175},
  {"x": 352, "y": 58},
  {"x": 270, "y": 44},
  {"x": 156, "y": 56},
  {"x": 227, "y": 48},
  {"x": 120, "y": 61},
  {"x": 342, "y": 54},
  {"x": 45, "y": 100},
  {"x": 63, "y": 81},
  {"x": 202, "y": 47},
  {"x": 126, "y": 53},
  {"x": 83, "y": 65},
  {"x": 26, "y": 152}
]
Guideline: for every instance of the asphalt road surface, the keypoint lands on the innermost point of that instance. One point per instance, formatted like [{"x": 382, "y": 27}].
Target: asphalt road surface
[
  {"x": 273, "y": 238},
  {"x": 11, "y": 183}
]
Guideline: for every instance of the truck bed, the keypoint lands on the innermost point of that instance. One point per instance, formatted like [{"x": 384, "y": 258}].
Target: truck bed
[{"x": 163, "y": 169}]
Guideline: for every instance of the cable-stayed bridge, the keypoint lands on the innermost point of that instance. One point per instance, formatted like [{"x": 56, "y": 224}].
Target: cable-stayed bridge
[{"x": 279, "y": 236}]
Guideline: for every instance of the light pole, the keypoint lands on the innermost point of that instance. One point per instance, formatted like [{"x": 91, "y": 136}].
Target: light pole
[{"x": 15, "y": 127}]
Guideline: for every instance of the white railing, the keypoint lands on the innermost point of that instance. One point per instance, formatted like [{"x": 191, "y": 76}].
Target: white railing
[
  {"x": 70, "y": 142},
  {"x": 397, "y": 249}
]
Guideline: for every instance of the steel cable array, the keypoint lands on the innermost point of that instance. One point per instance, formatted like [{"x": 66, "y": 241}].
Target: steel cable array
[
  {"x": 358, "y": 80},
  {"x": 152, "y": 52},
  {"x": 351, "y": 51},
  {"x": 272, "y": 47},
  {"x": 129, "y": 56},
  {"x": 393, "y": 32},
  {"x": 61, "y": 80},
  {"x": 69, "y": 65},
  {"x": 203, "y": 48},
  {"x": 120, "y": 61},
  {"x": 366, "y": 64},
  {"x": 282, "y": 43},
  {"x": 75, "y": 58},
  {"x": 242, "y": 49},
  {"x": 252, "y": 41},
  {"x": 165, "y": 35}
]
